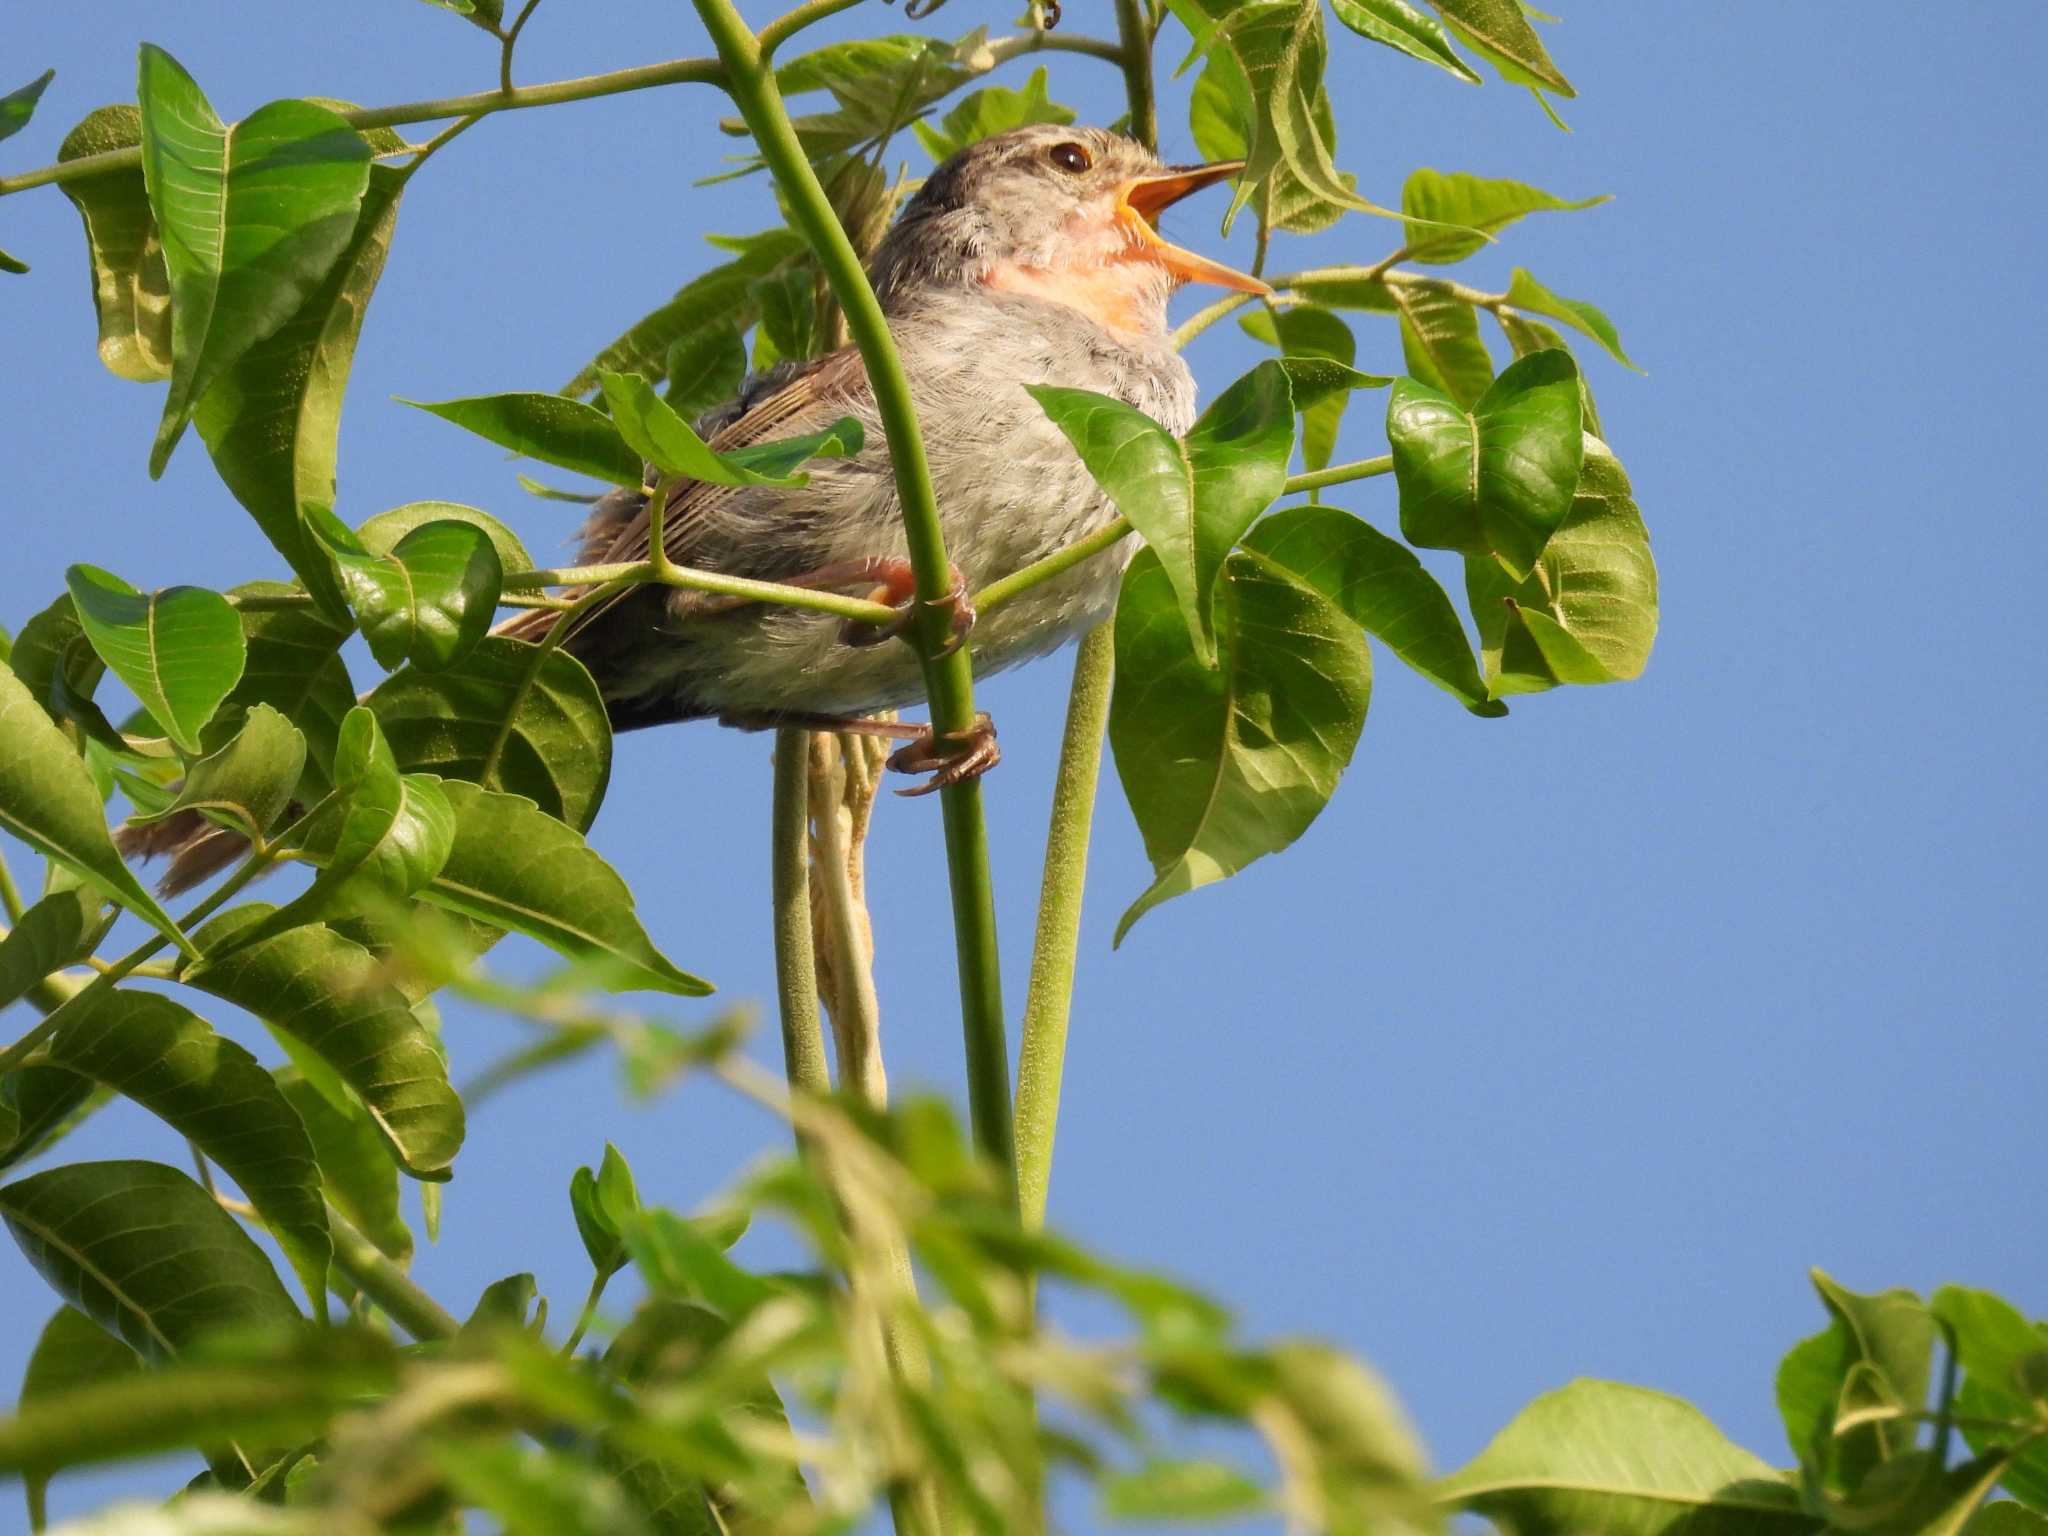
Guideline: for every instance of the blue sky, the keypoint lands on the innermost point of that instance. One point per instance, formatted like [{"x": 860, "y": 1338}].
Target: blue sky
[{"x": 1562, "y": 1044}]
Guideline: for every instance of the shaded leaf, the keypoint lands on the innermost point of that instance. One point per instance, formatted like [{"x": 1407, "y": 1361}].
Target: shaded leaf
[
  {"x": 53, "y": 933},
  {"x": 1440, "y": 342},
  {"x": 246, "y": 784},
  {"x": 1192, "y": 499},
  {"x": 704, "y": 369},
  {"x": 787, "y": 304},
  {"x": 251, "y": 217},
  {"x": 16, "y": 107},
  {"x": 991, "y": 110},
  {"x": 428, "y": 599},
  {"x": 356, "y": 1168},
  {"x": 534, "y": 1491},
  {"x": 1496, "y": 480},
  {"x": 1306, "y": 332},
  {"x": 1481, "y": 203},
  {"x": 515, "y": 867},
  {"x": 2003, "y": 1517},
  {"x": 1526, "y": 334},
  {"x": 131, "y": 292},
  {"x": 383, "y": 532},
  {"x": 217, "y": 1096},
  {"x": 1525, "y": 291},
  {"x": 666, "y": 441},
  {"x": 72, "y": 1351},
  {"x": 271, "y": 418},
  {"x": 1999, "y": 1351},
  {"x": 179, "y": 650},
  {"x": 1382, "y": 587},
  {"x": 556, "y": 431},
  {"x": 1598, "y": 1456},
  {"x": 1499, "y": 32},
  {"x": 508, "y": 716},
  {"x": 143, "y": 1251},
  {"x": 1405, "y": 28},
  {"x": 1181, "y": 1490},
  {"x": 1224, "y": 764},
  {"x": 295, "y": 668},
  {"x": 47, "y": 799},
  {"x": 332, "y": 995},
  {"x": 1588, "y": 613},
  {"x": 41, "y": 1105}
]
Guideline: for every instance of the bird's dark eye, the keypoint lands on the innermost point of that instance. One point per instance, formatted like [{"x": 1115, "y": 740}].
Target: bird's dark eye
[{"x": 1071, "y": 158}]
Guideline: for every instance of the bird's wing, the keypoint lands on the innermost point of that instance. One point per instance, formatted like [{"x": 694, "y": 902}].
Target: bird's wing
[{"x": 809, "y": 397}]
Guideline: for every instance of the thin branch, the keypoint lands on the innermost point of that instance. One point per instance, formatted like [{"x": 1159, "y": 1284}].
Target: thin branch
[
  {"x": 511, "y": 37},
  {"x": 1134, "y": 45},
  {"x": 796, "y": 973},
  {"x": 1338, "y": 474},
  {"x": 784, "y": 27},
  {"x": 860, "y": 610},
  {"x": 10, "y": 893},
  {"x": 1007, "y": 588}
]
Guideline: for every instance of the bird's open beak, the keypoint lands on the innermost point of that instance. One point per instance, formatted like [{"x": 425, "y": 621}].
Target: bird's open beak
[{"x": 1139, "y": 203}]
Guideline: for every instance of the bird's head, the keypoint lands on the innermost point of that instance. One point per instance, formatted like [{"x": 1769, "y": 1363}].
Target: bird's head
[{"x": 1064, "y": 215}]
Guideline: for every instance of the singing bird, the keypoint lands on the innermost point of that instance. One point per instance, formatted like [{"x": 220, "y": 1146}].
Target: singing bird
[{"x": 1030, "y": 257}]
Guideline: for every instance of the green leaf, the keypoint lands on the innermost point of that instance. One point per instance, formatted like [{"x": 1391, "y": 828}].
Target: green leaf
[
  {"x": 131, "y": 293},
  {"x": 1382, "y": 587},
  {"x": 1598, "y": 1456},
  {"x": 516, "y": 867},
  {"x": 47, "y": 800},
  {"x": 53, "y": 933},
  {"x": 1307, "y": 332},
  {"x": 179, "y": 649},
  {"x": 1223, "y": 764},
  {"x": 39, "y": 1106},
  {"x": 594, "y": 1225},
  {"x": 252, "y": 217},
  {"x": 1525, "y": 291},
  {"x": 1440, "y": 342},
  {"x": 508, "y": 716},
  {"x": 428, "y": 599},
  {"x": 704, "y": 368},
  {"x": 1500, "y": 33},
  {"x": 1588, "y": 612},
  {"x": 787, "y": 304},
  {"x": 384, "y": 531},
  {"x": 556, "y": 431},
  {"x": 217, "y": 1096},
  {"x": 683, "y": 1260},
  {"x": 72, "y": 1351},
  {"x": 294, "y": 668},
  {"x": 991, "y": 110},
  {"x": 144, "y": 1252},
  {"x": 12, "y": 264},
  {"x": 719, "y": 297},
  {"x": 1181, "y": 1490},
  {"x": 1496, "y": 480},
  {"x": 16, "y": 107},
  {"x": 271, "y": 418},
  {"x": 1914, "y": 1495},
  {"x": 1478, "y": 202},
  {"x": 333, "y": 996},
  {"x": 2005, "y": 1518},
  {"x": 1403, "y": 27},
  {"x": 534, "y": 1491},
  {"x": 487, "y": 14},
  {"x": 280, "y": 1397},
  {"x": 356, "y": 1168},
  {"x": 666, "y": 441},
  {"x": 1997, "y": 1348},
  {"x": 1526, "y": 334},
  {"x": 246, "y": 784},
  {"x": 1192, "y": 499}
]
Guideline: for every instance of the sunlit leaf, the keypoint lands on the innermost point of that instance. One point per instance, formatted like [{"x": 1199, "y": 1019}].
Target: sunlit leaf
[
  {"x": 1302, "y": 332},
  {"x": 1382, "y": 587},
  {"x": 179, "y": 649},
  {"x": 1499, "y": 31},
  {"x": 1498, "y": 479},
  {"x": 1588, "y": 612},
  {"x": 428, "y": 599},
  {"x": 704, "y": 368},
  {"x": 1191, "y": 499},
  {"x": 246, "y": 784},
  {"x": 1597, "y": 1456},
  {"x": 1997, "y": 1347},
  {"x": 383, "y": 532},
  {"x": 1223, "y": 764},
  {"x": 218, "y": 1097},
  {"x": 16, "y": 107},
  {"x": 271, "y": 419},
  {"x": 1181, "y": 1490},
  {"x": 332, "y": 995},
  {"x": 1405, "y": 28},
  {"x": 47, "y": 799},
  {"x": 51, "y": 934},
  {"x": 1440, "y": 341},
  {"x": 143, "y": 1251},
  {"x": 130, "y": 290},
  {"x": 1482, "y": 203},
  {"x": 665, "y": 440},
  {"x": 508, "y": 716},
  {"x": 251, "y": 217},
  {"x": 1526, "y": 292},
  {"x": 1527, "y": 334},
  {"x": 550, "y": 428},
  {"x": 991, "y": 110}
]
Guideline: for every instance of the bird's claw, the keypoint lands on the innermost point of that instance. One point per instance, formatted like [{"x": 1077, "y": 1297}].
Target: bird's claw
[
  {"x": 900, "y": 594},
  {"x": 951, "y": 758}
]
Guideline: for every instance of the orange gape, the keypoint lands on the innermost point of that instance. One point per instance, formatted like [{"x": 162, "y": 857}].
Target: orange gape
[{"x": 1113, "y": 296}]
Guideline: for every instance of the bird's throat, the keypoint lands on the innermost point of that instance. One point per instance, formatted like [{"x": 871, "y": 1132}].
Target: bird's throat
[{"x": 1125, "y": 298}]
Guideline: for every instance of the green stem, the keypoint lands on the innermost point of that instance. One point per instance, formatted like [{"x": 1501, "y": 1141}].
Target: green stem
[
  {"x": 1134, "y": 42},
  {"x": 10, "y": 893},
  {"x": 386, "y": 1284},
  {"x": 583, "y": 1318},
  {"x": 511, "y": 41},
  {"x": 1048, "y": 1001},
  {"x": 857, "y": 609},
  {"x": 949, "y": 679},
  {"x": 796, "y": 975},
  {"x": 1338, "y": 474},
  {"x": 1004, "y": 589},
  {"x": 552, "y": 93}
]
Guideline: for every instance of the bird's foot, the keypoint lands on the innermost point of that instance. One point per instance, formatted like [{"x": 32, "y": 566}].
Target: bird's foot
[
  {"x": 896, "y": 585},
  {"x": 951, "y": 758}
]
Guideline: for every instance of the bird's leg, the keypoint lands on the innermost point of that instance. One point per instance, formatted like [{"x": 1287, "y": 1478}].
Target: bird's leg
[{"x": 953, "y": 757}]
